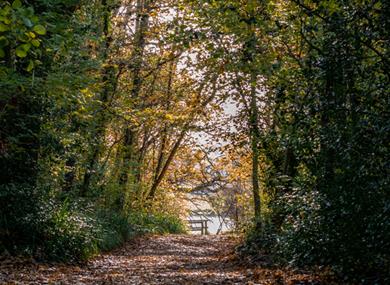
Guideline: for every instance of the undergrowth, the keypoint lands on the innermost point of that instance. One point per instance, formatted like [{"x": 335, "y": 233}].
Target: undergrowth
[{"x": 55, "y": 230}]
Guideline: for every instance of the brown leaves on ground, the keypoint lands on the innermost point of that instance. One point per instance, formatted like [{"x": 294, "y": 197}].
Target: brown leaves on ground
[{"x": 172, "y": 259}]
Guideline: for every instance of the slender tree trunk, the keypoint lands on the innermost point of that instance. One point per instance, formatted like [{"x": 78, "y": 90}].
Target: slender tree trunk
[
  {"x": 255, "y": 138},
  {"x": 172, "y": 154},
  {"x": 182, "y": 135},
  {"x": 142, "y": 26},
  {"x": 109, "y": 81},
  {"x": 142, "y": 153},
  {"x": 164, "y": 134}
]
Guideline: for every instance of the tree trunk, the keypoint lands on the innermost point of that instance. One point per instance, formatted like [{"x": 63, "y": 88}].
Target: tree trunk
[
  {"x": 182, "y": 135},
  {"x": 172, "y": 154},
  {"x": 164, "y": 132},
  {"x": 109, "y": 81},
  {"x": 255, "y": 138},
  {"x": 141, "y": 28}
]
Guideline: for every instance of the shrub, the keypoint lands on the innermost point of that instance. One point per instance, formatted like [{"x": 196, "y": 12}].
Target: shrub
[
  {"x": 114, "y": 229},
  {"x": 18, "y": 217},
  {"x": 156, "y": 223},
  {"x": 70, "y": 236},
  {"x": 67, "y": 234},
  {"x": 39, "y": 222}
]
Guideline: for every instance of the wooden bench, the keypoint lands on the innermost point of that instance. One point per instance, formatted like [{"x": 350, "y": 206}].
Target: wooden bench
[{"x": 199, "y": 226}]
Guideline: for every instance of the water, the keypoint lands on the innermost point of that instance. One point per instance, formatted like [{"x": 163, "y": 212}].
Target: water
[
  {"x": 202, "y": 210},
  {"x": 214, "y": 224}
]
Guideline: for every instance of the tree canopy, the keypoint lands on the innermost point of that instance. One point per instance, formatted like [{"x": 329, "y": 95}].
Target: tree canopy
[{"x": 112, "y": 111}]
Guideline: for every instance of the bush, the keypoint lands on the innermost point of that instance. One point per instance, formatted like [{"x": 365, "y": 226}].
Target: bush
[
  {"x": 70, "y": 236},
  {"x": 18, "y": 217},
  {"x": 37, "y": 222},
  {"x": 156, "y": 223},
  {"x": 114, "y": 230},
  {"x": 318, "y": 231}
]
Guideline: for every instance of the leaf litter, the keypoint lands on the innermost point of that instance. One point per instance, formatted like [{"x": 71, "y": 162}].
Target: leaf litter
[{"x": 170, "y": 259}]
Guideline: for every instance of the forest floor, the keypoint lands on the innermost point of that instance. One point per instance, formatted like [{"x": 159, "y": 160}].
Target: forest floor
[{"x": 171, "y": 259}]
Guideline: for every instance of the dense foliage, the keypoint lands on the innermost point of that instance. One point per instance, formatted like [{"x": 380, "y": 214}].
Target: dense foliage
[
  {"x": 61, "y": 114},
  {"x": 331, "y": 136},
  {"x": 320, "y": 128}
]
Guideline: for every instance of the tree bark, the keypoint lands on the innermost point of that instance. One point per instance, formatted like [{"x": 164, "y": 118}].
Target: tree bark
[
  {"x": 141, "y": 28},
  {"x": 255, "y": 138},
  {"x": 107, "y": 90}
]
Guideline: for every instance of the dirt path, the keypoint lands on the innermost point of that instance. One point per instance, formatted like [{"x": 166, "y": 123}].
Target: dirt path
[{"x": 173, "y": 259}]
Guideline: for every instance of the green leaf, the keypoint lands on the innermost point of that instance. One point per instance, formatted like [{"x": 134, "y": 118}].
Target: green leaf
[
  {"x": 3, "y": 41},
  {"x": 35, "y": 19},
  {"x": 16, "y": 4},
  {"x": 39, "y": 29},
  {"x": 27, "y": 22},
  {"x": 30, "y": 66},
  {"x": 5, "y": 10},
  {"x": 5, "y": 20},
  {"x": 30, "y": 11},
  {"x": 26, "y": 47},
  {"x": 20, "y": 52},
  {"x": 36, "y": 42},
  {"x": 2, "y": 53},
  {"x": 3, "y": 28},
  {"x": 23, "y": 38}
]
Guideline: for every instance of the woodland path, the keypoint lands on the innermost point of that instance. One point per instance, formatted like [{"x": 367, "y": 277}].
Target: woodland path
[{"x": 172, "y": 259}]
